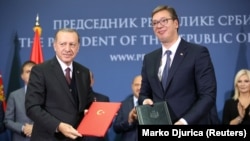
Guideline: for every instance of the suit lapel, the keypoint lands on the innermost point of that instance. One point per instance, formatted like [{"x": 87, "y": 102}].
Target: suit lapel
[
  {"x": 178, "y": 58},
  {"x": 79, "y": 85},
  {"x": 156, "y": 68}
]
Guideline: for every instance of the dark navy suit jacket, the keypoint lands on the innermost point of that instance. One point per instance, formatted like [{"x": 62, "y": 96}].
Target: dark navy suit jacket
[
  {"x": 191, "y": 84},
  {"x": 100, "y": 97}
]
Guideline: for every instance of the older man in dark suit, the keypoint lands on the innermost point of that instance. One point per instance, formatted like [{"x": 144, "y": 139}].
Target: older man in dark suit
[
  {"x": 58, "y": 92},
  {"x": 123, "y": 125}
]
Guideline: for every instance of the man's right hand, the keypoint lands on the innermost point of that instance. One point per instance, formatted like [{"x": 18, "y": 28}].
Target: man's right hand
[
  {"x": 27, "y": 129},
  {"x": 147, "y": 102},
  {"x": 68, "y": 130},
  {"x": 132, "y": 116}
]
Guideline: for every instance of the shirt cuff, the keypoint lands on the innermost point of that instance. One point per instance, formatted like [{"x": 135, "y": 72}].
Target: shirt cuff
[{"x": 184, "y": 121}]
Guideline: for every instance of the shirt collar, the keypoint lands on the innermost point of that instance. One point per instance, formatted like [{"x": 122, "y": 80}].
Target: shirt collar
[
  {"x": 135, "y": 100},
  {"x": 64, "y": 66},
  {"x": 173, "y": 48}
]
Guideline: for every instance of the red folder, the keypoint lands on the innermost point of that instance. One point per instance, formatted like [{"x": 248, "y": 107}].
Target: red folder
[{"x": 98, "y": 119}]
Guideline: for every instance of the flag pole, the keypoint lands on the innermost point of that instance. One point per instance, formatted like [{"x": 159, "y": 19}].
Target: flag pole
[{"x": 37, "y": 26}]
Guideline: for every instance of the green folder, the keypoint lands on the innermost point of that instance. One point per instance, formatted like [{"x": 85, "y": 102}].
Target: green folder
[{"x": 156, "y": 114}]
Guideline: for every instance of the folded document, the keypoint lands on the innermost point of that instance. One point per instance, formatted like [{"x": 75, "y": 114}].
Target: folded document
[
  {"x": 156, "y": 114},
  {"x": 98, "y": 119}
]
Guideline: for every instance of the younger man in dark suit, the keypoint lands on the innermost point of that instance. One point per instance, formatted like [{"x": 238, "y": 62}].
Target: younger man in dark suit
[{"x": 190, "y": 85}]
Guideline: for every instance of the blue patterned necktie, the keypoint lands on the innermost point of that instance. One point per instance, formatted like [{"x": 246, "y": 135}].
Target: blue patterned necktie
[{"x": 166, "y": 69}]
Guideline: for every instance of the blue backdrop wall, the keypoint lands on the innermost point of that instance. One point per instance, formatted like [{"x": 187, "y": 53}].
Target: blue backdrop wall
[{"x": 116, "y": 34}]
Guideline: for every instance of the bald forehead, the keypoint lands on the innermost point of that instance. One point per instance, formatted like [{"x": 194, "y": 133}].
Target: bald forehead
[{"x": 137, "y": 79}]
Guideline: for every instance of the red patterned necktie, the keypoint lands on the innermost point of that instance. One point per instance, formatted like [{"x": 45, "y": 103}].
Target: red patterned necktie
[{"x": 68, "y": 75}]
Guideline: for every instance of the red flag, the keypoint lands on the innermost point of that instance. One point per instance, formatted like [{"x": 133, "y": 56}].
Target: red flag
[
  {"x": 36, "y": 53},
  {"x": 2, "y": 96}
]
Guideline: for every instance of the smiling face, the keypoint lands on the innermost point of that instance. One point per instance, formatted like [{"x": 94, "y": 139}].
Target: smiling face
[
  {"x": 243, "y": 84},
  {"x": 165, "y": 26},
  {"x": 66, "y": 46}
]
